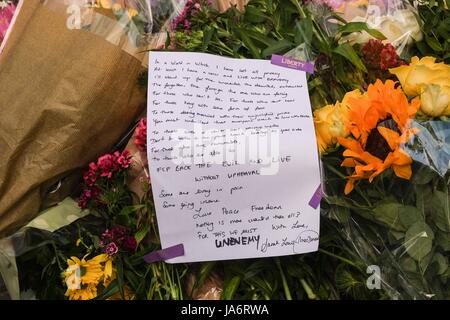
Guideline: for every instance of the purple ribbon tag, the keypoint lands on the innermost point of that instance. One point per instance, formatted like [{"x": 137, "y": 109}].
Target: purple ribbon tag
[
  {"x": 165, "y": 254},
  {"x": 316, "y": 198},
  {"x": 292, "y": 63}
]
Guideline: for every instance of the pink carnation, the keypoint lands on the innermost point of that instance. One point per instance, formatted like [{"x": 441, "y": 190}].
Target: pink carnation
[
  {"x": 141, "y": 135},
  {"x": 111, "y": 249},
  {"x": 124, "y": 159},
  {"x": 107, "y": 165},
  {"x": 6, "y": 15},
  {"x": 88, "y": 195}
]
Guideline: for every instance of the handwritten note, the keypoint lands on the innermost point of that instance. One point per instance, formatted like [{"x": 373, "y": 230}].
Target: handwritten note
[{"x": 233, "y": 157}]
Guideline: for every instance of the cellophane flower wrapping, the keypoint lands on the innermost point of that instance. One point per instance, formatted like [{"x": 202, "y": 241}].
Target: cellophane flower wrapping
[
  {"x": 398, "y": 229},
  {"x": 395, "y": 225}
]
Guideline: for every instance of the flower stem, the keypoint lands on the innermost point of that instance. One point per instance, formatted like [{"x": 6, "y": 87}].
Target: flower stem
[
  {"x": 287, "y": 292},
  {"x": 338, "y": 257},
  {"x": 311, "y": 295},
  {"x": 341, "y": 175}
]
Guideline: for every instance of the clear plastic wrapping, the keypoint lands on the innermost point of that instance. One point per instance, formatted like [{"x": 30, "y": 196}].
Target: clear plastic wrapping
[
  {"x": 397, "y": 229},
  {"x": 395, "y": 19},
  {"x": 124, "y": 23}
]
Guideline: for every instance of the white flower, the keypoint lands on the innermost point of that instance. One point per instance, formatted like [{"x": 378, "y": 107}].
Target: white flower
[
  {"x": 400, "y": 28},
  {"x": 3, "y": 4}
]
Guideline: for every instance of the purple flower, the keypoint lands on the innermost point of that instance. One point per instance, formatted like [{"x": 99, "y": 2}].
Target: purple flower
[{"x": 111, "y": 249}]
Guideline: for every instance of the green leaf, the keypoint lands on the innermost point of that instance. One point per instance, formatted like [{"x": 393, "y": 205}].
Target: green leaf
[
  {"x": 388, "y": 214},
  {"x": 254, "y": 15},
  {"x": 441, "y": 262},
  {"x": 347, "y": 51},
  {"x": 280, "y": 47},
  {"x": 408, "y": 264},
  {"x": 141, "y": 233},
  {"x": 109, "y": 291},
  {"x": 304, "y": 31},
  {"x": 440, "y": 210},
  {"x": 204, "y": 272},
  {"x": 167, "y": 43},
  {"x": 443, "y": 240},
  {"x": 423, "y": 196},
  {"x": 351, "y": 27},
  {"x": 207, "y": 35},
  {"x": 418, "y": 240},
  {"x": 119, "y": 267},
  {"x": 260, "y": 37},
  {"x": 433, "y": 43},
  {"x": 425, "y": 262},
  {"x": 397, "y": 235},
  {"x": 248, "y": 43},
  {"x": 423, "y": 175},
  {"x": 230, "y": 288},
  {"x": 409, "y": 215},
  {"x": 340, "y": 214}
]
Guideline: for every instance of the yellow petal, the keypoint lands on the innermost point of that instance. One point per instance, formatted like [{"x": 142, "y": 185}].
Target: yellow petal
[
  {"x": 435, "y": 100},
  {"x": 108, "y": 268},
  {"x": 401, "y": 73}
]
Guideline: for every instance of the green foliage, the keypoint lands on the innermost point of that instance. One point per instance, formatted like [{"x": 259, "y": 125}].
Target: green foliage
[
  {"x": 276, "y": 27},
  {"x": 435, "y": 26},
  {"x": 399, "y": 225}
]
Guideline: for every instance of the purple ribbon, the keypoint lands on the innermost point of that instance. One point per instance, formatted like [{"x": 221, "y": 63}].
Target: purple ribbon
[
  {"x": 165, "y": 254},
  {"x": 292, "y": 63},
  {"x": 316, "y": 198}
]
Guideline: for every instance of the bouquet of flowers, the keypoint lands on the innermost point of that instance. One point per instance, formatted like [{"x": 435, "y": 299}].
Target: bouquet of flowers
[
  {"x": 382, "y": 126},
  {"x": 381, "y": 120}
]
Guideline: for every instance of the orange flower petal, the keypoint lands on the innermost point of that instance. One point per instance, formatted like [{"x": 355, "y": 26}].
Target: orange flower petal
[
  {"x": 350, "y": 144},
  {"x": 404, "y": 172},
  {"x": 349, "y": 186},
  {"x": 391, "y": 137},
  {"x": 350, "y": 162},
  {"x": 401, "y": 158}
]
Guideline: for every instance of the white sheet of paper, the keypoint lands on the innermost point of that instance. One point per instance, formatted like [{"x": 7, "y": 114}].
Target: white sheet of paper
[{"x": 233, "y": 157}]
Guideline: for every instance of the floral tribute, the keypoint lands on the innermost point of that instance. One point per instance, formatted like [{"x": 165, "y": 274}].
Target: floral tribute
[
  {"x": 379, "y": 123},
  {"x": 100, "y": 175},
  {"x": 381, "y": 103}
]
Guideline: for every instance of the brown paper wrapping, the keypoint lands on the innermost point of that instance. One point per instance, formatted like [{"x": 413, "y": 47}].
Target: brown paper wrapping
[
  {"x": 66, "y": 96},
  {"x": 210, "y": 289}
]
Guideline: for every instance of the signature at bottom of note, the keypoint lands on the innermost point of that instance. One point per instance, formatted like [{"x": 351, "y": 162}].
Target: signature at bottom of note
[{"x": 305, "y": 237}]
